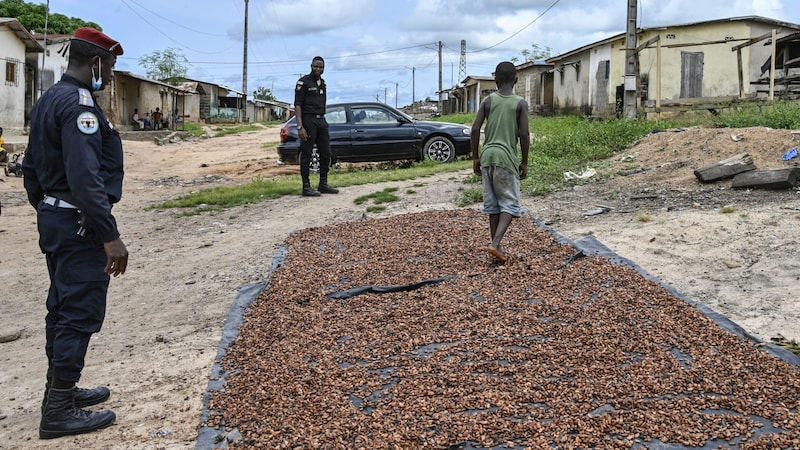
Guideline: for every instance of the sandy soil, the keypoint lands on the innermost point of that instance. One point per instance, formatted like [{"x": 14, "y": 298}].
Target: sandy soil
[{"x": 166, "y": 315}]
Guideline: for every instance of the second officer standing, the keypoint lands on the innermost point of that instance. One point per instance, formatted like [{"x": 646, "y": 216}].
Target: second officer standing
[{"x": 310, "y": 97}]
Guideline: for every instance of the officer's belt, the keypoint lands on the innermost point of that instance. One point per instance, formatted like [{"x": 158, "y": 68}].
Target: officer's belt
[
  {"x": 57, "y": 202},
  {"x": 318, "y": 116}
]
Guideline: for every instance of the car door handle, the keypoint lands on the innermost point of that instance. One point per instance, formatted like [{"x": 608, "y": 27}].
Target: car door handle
[{"x": 360, "y": 130}]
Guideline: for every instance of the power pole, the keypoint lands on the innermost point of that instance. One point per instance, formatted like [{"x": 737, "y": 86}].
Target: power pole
[
  {"x": 440, "y": 78},
  {"x": 44, "y": 54},
  {"x": 244, "y": 64},
  {"x": 413, "y": 87},
  {"x": 631, "y": 63},
  {"x": 462, "y": 64}
]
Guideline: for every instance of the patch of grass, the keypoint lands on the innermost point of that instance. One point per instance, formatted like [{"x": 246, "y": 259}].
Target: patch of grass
[
  {"x": 470, "y": 197},
  {"x": 462, "y": 118},
  {"x": 376, "y": 208},
  {"x": 559, "y": 144},
  {"x": 642, "y": 216},
  {"x": 226, "y": 131},
  {"x": 472, "y": 178},
  {"x": 194, "y": 129},
  {"x": 781, "y": 114},
  {"x": 385, "y": 196},
  {"x": 259, "y": 189},
  {"x": 727, "y": 209},
  {"x": 571, "y": 144}
]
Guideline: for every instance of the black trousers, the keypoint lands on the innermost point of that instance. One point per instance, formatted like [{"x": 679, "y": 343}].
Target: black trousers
[
  {"x": 76, "y": 300},
  {"x": 319, "y": 135}
]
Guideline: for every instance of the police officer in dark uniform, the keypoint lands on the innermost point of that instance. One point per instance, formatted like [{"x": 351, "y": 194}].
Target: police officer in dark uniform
[
  {"x": 73, "y": 175},
  {"x": 310, "y": 97}
]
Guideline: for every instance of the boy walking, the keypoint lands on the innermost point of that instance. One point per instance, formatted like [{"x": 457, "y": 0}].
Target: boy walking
[{"x": 506, "y": 117}]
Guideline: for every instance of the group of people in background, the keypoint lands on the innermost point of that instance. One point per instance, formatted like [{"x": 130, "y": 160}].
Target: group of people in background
[{"x": 153, "y": 120}]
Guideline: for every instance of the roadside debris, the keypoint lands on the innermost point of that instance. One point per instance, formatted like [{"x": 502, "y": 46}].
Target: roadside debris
[
  {"x": 585, "y": 175},
  {"x": 597, "y": 212}
]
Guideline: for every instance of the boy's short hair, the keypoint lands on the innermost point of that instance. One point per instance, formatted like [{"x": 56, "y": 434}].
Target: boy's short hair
[{"x": 505, "y": 72}]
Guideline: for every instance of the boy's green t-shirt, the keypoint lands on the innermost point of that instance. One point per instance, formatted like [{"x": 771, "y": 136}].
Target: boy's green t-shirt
[{"x": 501, "y": 133}]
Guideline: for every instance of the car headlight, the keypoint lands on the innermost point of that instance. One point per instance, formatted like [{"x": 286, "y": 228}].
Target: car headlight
[{"x": 466, "y": 131}]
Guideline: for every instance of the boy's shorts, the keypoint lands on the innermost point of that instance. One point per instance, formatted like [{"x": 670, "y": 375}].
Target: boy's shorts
[{"x": 500, "y": 191}]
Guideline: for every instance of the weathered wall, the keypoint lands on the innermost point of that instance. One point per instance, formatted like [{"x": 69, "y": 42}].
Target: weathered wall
[{"x": 12, "y": 81}]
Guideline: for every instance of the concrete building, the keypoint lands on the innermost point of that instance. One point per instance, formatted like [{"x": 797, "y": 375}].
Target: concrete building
[
  {"x": 19, "y": 53},
  {"x": 679, "y": 65}
]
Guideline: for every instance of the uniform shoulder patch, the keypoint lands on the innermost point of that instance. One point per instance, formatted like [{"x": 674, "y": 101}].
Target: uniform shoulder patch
[
  {"x": 87, "y": 123},
  {"x": 85, "y": 97}
]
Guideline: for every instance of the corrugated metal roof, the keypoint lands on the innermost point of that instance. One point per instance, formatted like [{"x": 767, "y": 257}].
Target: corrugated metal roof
[{"x": 178, "y": 89}]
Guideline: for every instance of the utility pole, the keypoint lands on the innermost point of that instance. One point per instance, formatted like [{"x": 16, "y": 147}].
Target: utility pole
[
  {"x": 396, "y": 88},
  {"x": 440, "y": 78},
  {"x": 244, "y": 64},
  {"x": 462, "y": 62},
  {"x": 44, "y": 54},
  {"x": 631, "y": 63},
  {"x": 413, "y": 86}
]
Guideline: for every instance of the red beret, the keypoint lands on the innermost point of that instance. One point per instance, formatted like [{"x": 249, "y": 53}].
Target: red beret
[{"x": 99, "y": 39}]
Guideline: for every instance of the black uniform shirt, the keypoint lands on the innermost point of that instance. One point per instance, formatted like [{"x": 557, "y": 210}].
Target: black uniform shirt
[
  {"x": 310, "y": 96},
  {"x": 73, "y": 147}
]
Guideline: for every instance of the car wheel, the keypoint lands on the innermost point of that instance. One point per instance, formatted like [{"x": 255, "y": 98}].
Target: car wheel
[
  {"x": 439, "y": 149},
  {"x": 314, "y": 164}
]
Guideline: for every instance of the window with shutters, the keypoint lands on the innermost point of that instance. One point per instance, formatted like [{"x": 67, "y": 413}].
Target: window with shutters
[{"x": 12, "y": 68}]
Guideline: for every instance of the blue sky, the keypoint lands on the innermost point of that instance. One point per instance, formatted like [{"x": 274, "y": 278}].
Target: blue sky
[{"x": 371, "y": 46}]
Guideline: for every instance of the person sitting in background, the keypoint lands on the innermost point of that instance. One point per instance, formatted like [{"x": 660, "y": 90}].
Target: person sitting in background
[{"x": 136, "y": 119}]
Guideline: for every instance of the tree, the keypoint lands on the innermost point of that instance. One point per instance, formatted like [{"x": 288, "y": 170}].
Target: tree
[
  {"x": 537, "y": 53},
  {"x": 32, "y": 17},
  {"x": 170, "y": 63},
  {"x": 263, "y": 93}
]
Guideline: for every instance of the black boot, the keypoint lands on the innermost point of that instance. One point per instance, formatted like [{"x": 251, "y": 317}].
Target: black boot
[
  {"x": 326, "y": 188},
  {"x": 308, "y": 191},
  {"x": 83, "y": 397},
  {"x": 61, "y": 418}
]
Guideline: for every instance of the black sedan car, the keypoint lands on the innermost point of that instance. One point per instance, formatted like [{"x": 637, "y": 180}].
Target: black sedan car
[{"x": 373, "y": 132}]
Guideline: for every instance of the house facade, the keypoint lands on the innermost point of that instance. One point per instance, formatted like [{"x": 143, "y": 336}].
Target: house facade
[
  {"x": 130, "y": 92},
  {"x": 19, "y": 53},
  {"x": 475, "y": 89},
  {"x": 680, "y": 64},
  {"x": 213, "y": 103},
  {"x": 535, "y": 85},
  {"x": 53, "y": 63},
  {"x": 268, "y": 110}
]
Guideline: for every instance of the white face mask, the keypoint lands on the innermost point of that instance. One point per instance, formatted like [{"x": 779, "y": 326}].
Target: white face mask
[{"x": 97, "y": 83}]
